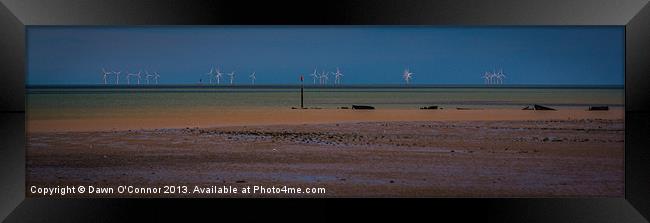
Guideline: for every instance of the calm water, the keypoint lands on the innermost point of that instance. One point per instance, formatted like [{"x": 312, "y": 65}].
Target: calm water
[{"x": 76, "y": 102}]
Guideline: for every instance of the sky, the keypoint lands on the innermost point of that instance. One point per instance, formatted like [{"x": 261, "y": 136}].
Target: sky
[{"x": 571, "y": 55}]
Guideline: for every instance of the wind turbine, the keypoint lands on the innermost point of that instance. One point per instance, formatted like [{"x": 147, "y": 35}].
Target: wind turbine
[
  {"x": 156, "y": 76},
  {"x": 337, "y": 76},
  {"x": 489, "y": 75},
  {"x": 139, "y": 75},
  {"x": 117, "y": 76},
  {"x": 314, "y": 75},
  {"x": 218, "y": 75},
  {"x": 147, "y": 75},
  {"x": 210, "y": 74},
  {"x": 128, "y": 77},
  {"x": 486, "y": 76},
  {"x": 232, "y": 76},
  {"x": 407, "y": 75},
  {"x": 500, "y": 76},
  {"x": 105, "y": 75},
  {"x": 324, "y": 77},
  {"x": 494, "y": 77},
  {"x": 252, "y": 77}
]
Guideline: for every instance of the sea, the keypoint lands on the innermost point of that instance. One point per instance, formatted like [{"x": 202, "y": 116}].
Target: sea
[{"x": 45, "y": 102}]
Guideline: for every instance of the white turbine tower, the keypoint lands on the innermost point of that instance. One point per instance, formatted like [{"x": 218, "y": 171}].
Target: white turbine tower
[
  {"x": 210, "y": 74},
  {"x": 105, "y": 75},
  {"x": 252, "y": 77},
  {"x": 493, "y": 77},
  {"x": 407, "y": 75},
  {"x": 489, "y": 76},
  {"x": 139, "y": 75},
  {"x": 232, "y": 77},
  {"x": 128, "y": 77},
  {"x": 337, "y": 76},
  {"x": 147, "y": 75},
  {"x": 324, "y": 76},
  {"x": 314, "y": 75},
  {"x": 156, "y": 76},
  {"x": 500, "y": 76},
  {"x": 117, "y": 76},
  {"x": 217, "y": 75}
]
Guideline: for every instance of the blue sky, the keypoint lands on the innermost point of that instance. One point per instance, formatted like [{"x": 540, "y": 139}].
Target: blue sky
[{"x": 366, "y": 54}]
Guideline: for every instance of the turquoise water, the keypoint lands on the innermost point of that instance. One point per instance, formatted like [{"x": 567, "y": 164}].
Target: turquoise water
[{"x": 70, "y": 103}]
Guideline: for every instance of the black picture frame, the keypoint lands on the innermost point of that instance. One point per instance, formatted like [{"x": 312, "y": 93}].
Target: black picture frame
[{"x": 15, "y": 15}]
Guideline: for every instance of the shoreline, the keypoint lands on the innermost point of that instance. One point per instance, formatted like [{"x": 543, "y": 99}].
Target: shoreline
[{"x": 178, "y": 119}]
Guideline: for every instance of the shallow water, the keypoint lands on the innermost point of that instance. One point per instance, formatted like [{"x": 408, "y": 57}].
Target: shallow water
[{"x": 71, "y": 103}]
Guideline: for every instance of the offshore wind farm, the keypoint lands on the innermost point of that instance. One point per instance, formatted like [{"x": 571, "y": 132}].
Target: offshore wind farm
[{"x": 360, "y": 111}]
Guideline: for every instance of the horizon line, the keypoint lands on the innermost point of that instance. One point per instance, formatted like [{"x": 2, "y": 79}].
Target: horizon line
[{"x": 616, "y": 86}]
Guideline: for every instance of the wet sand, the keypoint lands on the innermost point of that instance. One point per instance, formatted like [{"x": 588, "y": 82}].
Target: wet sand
[
  {"x": 178, "y": 118},
  {"x": 419, "y": 153}
]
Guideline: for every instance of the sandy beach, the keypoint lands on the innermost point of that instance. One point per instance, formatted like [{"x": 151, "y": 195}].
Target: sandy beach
[
  {"x": 206, "y": 118},
  {"x": 351, "y": 153}
]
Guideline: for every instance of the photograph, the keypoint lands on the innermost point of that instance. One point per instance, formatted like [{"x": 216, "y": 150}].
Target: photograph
[{"x": 244, "y": 111}]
